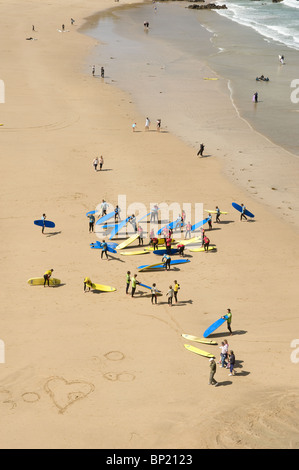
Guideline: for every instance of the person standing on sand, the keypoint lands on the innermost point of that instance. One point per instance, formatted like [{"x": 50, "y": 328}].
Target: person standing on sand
[
  {"x": 243, "y": 212},
  {"x": 102, "y": 72},
  {"x": 147, "y": 124},
  {"x": 210, "y": 221},
  {"x": 104, "y": 207},
  {"x": 44, "y": 220},
  {"x": 134, "y": 126},
  {"x": 188, "y": 230},
  {"x": 175, "y": 291},
  {"x": 154, "y": 293},
  {"x": 47, "y": 276},
  {"x": 213, "y": 367},
  {"x": 87, "y": 284},
  {"x": 117, "y": 213},
  {"x": 218, "y": 213},
  {"x": 170, "y": 294},
  {"x": 134, "y": 283},
  {"x": 62, "y": 27},
  {"x": 158, "y": 125},
  {"x": 255, "y": 97},
  {"x": 228, "y": 318},
  {"x": 141, "y": 234},
  {"x": 128, "y": 280},
  {"x": 91, "y": 222},
  {"x": 201, "y": 149},
  {"x": 232, "y": 360},
  {"x": 95, "y": 163},
  {"x": 101, "y": 162},
  {"x": 93, "y": 70},
  {"x": 104, "y": 248},
  {"x": 206, "y": 243},
  {"x": 72, "y": 21}
]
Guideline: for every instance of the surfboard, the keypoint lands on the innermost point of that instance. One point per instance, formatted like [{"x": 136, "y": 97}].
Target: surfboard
[
  {"x": 189, "y": 241},
  {"x": 39, "y": 281},
  {"x": 111, "y": 244},
  {"x": 202, "y": 248},
  {"x": 91, "y": 212},
  {"x": 214, "y": 326},
  {"x": 104, "y": 218},
  {"x": 127, "y": 242},
  {"x": 200, "y": 352},
  {"x": 47, "y": 223},
  {"x": 198, "y": 340},
  {"x": 99, "y": 247},
  {"x": 146, "y": 215},
  {"x": 215, "y": 212},
  {"x": 162, "y": 252},
  {"x": 199, "y": 224},
  {"x": 102, "y": 288},
  {"x": 171, "y": 226},
  {"x": 118, "y": 227},
  {"x": 162, "y": 265},
  {"x": 239, "y": 208},
  {"x": 148, "y": 287},
  {"x": 132, "y": 253}
]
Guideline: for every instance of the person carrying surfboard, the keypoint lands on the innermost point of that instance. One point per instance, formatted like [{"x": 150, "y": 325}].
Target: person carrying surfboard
[
  {"x": 87, "y": 284},
  {"x": 47, "y": 276},
  {"x": 243, "y": 212},
  {"x": 43, "y": 219},
  {"x": 104, "y": 249},
  {"x": 228, "y": 318}
]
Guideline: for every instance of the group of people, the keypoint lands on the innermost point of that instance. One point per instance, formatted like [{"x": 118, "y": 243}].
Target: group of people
[
  {"x": 227, "y": 356},
  {"x": 93, "y": 71},
  {"x": 147, "y": 125},
  {"x": 98, "y": 161},
  {"x": 171, "y": 294}
]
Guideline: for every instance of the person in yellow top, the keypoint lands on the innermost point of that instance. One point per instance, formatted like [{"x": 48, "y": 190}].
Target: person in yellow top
[
  {"x": 47, "y": 276},
  {"x": 175, "y": 290},
  {"x": 87, "y": 284}
]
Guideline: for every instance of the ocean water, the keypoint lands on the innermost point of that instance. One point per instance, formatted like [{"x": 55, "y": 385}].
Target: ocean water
[{"x": 278, "y": 22}]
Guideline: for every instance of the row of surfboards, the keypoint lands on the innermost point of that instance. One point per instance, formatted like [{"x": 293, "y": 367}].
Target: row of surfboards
[{"x": 204, "y": 340}]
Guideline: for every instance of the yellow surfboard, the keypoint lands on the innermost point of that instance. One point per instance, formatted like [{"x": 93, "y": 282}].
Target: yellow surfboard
[
  {"x": 127, "y": 242},
  {"x": 102, "y": 288},
  {"x": 198, "y": 340},
  {"x": 202, "y": 248},
  {"x": 129, "y": 253},
  {"x": 215, "y": 212},
  {"x": 39, "y": 281},
  {"x": 200, "y": 352},
  {"x": 190, "y": 240}
]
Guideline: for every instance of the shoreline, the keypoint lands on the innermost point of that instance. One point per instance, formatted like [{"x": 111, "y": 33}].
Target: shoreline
[{"x": 86, "y": 370}]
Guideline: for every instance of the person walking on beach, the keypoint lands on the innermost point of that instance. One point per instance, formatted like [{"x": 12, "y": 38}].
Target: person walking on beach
[
  {"x": 175, "y": 291},
  {"x": 213, "y": 367},
  {"x": 33, "y": 28},
  {"x": 134, "y": 126},
  {"x": 93, "y": 70},
  {"x": 223, "y": 354},
  {"x": 104, "y": 249},
  {"x": 228, "y": 318},
  {"x": 72, "y": 21},
  {"x": 231, "y": 360},
  {"x": 201, "y": 149},
  {"x": 147, "y": 124},
  {"x": 95, "y": 163},
  {"x": 62, "y": 27},
  {"x": 218, "y": 213},
  {"x": 104, "y": 207},
  {"x": 255, "y": 97},
  {"x": 210, "y": 221},
  {"x": 102, "y": 72},
  {"x": 128, "y": 280},
  {"x": 243, "y": 212},
  {"x": 154, "y": 293},
  {"x": 158, "y": 125},
  {"x": 87, "y": 284},
  {"x": 47, "y": 276},
  {"x": 134, "y": 283},
  {"x": 170, "y": 294},
  {"x": 44, "y": 222},
  {"x": 116, "y": 213},
  {"x": 101, "y": 162},
  {"x": 141, "y": 234},
  {"x": 166, "y": 260},
  {"x": 91, "y": 222}
]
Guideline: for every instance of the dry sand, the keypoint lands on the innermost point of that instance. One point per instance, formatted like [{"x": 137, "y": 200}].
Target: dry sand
[{"x": 106, "y": 370}]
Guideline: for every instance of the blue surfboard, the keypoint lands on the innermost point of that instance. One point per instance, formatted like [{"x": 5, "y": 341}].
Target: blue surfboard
[
  {"x": 91, "y": 213},
  {"x": 104, "y": 218},
  {"x": 171, "y": 225},
  {"x": 99, "y": 247},
  {"x": 239, "y": 208},
  {"x": 214, "y": 326},
  {"x": 199, "y": 224},
  {"x": 46, "y": 223},
  {"x": 144, "y": 216},
  {"x": 147, "y": 287},
  {"x": 118, "y": 227},
  {"x": 162, "y": 265},
  {"x": 173, "y": 251}
]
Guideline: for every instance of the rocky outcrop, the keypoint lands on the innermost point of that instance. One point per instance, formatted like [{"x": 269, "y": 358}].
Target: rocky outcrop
[{"x": 208, "y": 6}]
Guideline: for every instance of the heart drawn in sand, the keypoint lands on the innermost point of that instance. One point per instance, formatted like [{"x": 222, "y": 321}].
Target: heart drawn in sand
[{"x": 64, "y": 393}]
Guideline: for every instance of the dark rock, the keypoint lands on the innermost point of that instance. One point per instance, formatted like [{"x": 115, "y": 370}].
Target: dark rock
[{"x": 209, "y": 6}]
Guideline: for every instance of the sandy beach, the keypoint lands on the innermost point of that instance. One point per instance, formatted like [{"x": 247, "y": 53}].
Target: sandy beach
[{"x": 103, "y": 370}]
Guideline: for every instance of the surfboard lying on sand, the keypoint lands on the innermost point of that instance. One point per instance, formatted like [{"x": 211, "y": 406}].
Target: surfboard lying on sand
[
  {"x": 189, "y": 241},
  {"x": 215, "y": 212},
  {"x": 214, "y": 326},
  {"x": 198, "y": 351},
  {"x": 162, "y": 265},
  {"x": 199, "y": 224},
  {"x": 239, "y": 208},
  {"x": 198, "y": 340},
  {"x": 39, "y": 281},
  {"x": 102, "y": 288},
  {"x": 210, "y": 248},
  {"x": 47, "y": 223},
  {"x": 105, "y": 217},
  {"x": 162, "y": 252},
  {"x": 127, "y": 242}
]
